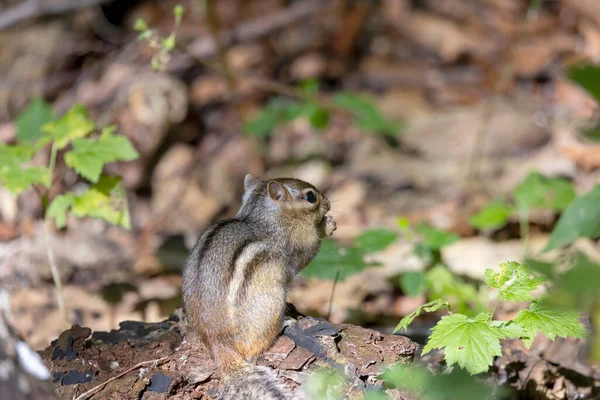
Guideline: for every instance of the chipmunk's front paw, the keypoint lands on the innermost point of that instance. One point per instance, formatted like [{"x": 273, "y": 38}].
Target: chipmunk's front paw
[{"x": 330, "y": 225}]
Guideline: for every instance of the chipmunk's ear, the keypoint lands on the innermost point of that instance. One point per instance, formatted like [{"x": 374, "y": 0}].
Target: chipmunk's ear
[
  {"x": 250, "y": 182},
  {"x": 276, "y": 191}
]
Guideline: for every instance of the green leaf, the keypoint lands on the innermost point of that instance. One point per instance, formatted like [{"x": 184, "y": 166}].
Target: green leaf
[
  {"x": 88, "y": 156},
  {"x": 375, "y": 395},
  {"x": 310, "y": 87},
  {"x": 541, "y": 267},
  {"x": 472, "y": 343},
  {"x": 442, "y": 283},
  {"x": 145, "y": 35},
  {"x": 493, "y": 216},
  {"x": 432, "y": 306},
  {"x": 509, "y": 328},
  {"x": 57, "y": 210},
  {"x": 435, "y": 238},
  {"x": 588, "y": 77},
  {"x": 178, "y": 11},
  {"x": 456, "y": 384},
  {"x": 140, "y": 25},
  {"x": 17, "y": 179},
  {"x": 106, "y": 200},
  {"x": 14, "y": 174},
  {"x": 366, "y": 114},
  {"x": 580, "y": 219},
  {"x": 29, "y": 122},
  {"x": 319, "y": 118},
  {"x": 375, "y": 240},
  {"x": 334, "y": 260},
  {"x": 413, "y": 283},
  {"x": 325, "y": 384},
  {"x": 514, "y": 281},
  {"x": 169, "y": 42},
  {"x": 403, "y": 223},
  {"x": 74, "y": 124},
  {"x": 538, "y": 191},
  {"x": 550, "y": 322},
  {"x": 578, "y": 286}
]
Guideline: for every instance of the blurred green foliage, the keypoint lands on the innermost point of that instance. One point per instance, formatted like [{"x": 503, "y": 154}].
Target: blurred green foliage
[
  {"x": 535, "y": 192},
  {"x": 364, "y": 111},
  {"x": 37, "y": 126}
]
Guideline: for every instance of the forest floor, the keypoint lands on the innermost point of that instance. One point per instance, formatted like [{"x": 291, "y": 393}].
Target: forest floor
[{"x": 477, "y": 90}]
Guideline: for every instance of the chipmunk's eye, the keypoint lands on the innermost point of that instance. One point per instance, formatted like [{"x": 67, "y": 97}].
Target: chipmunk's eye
[{"x": 310, "y": 197}]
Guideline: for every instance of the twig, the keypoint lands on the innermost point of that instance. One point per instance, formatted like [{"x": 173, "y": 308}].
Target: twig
[
  {"x": 335, "y": 281},
  {"x": 93, "y": 390},
  {"x": 37, "y": 8}
]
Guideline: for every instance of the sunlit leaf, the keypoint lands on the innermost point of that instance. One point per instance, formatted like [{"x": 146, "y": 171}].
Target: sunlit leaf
[
  {"x": 88, "y": 156},
  {"x": 57, "y": 210},
  {"x": 472, "y": 343},
  {"x": 514, "y": 281},
  {"x": 74, "y": 124},
  {"x": 550, "y": 322},
  {"x": 15, "y": 174}
]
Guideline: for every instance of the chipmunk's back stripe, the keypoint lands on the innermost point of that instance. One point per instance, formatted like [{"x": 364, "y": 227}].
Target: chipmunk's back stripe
[
  {"x": 259, "y": 258},
  {"x": 210, "y": 237},
  {"x": 228, "y": 273}
]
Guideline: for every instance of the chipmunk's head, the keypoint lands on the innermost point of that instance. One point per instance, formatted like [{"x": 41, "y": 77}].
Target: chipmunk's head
[{"x": 293, "y": 198}]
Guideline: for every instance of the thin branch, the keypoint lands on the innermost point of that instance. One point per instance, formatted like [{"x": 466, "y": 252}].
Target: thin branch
[
  {"x": 37, "y": 8},
  {"x": 93, "y": 390}
]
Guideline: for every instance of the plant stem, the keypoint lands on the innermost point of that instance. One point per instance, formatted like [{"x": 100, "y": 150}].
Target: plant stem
[
  {"x": 524, "y": 228},
  {"x": 60, "y": 299},
  {"x": 55, "y": 274}
]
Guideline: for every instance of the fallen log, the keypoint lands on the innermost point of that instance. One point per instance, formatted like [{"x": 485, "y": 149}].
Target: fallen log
[{"x": 162, "y": 361}]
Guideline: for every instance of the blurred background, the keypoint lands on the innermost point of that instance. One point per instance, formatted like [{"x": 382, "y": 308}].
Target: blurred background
[{"x": 412, "y": 116}]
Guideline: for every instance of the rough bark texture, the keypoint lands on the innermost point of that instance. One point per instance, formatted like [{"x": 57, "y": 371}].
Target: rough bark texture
[{"x": 81, "y": 360}]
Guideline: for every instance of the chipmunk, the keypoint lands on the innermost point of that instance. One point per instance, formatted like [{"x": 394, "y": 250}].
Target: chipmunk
[{"x": 236, "y": 278}]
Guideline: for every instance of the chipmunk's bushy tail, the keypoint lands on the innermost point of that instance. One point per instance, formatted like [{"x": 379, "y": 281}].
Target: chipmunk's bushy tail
[
  {"x": 243, "y": 381},
  {"x": 253, "y": 383}
]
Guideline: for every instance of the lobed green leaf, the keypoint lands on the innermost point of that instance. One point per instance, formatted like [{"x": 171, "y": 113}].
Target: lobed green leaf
[
  {"x": 88, "y": 156},
  {"x": 472, "y": 343},
  {"x": 550, "y": 322},
  {"x": 514, "y": 281},
  {"x": 74, "y": 124}
]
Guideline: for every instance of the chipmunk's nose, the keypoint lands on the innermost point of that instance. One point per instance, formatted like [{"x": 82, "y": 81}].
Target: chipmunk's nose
[{"x": 327, "y": 205}]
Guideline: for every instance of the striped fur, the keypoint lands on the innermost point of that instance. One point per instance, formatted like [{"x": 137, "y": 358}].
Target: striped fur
[{"x": 235, "y": 280}]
